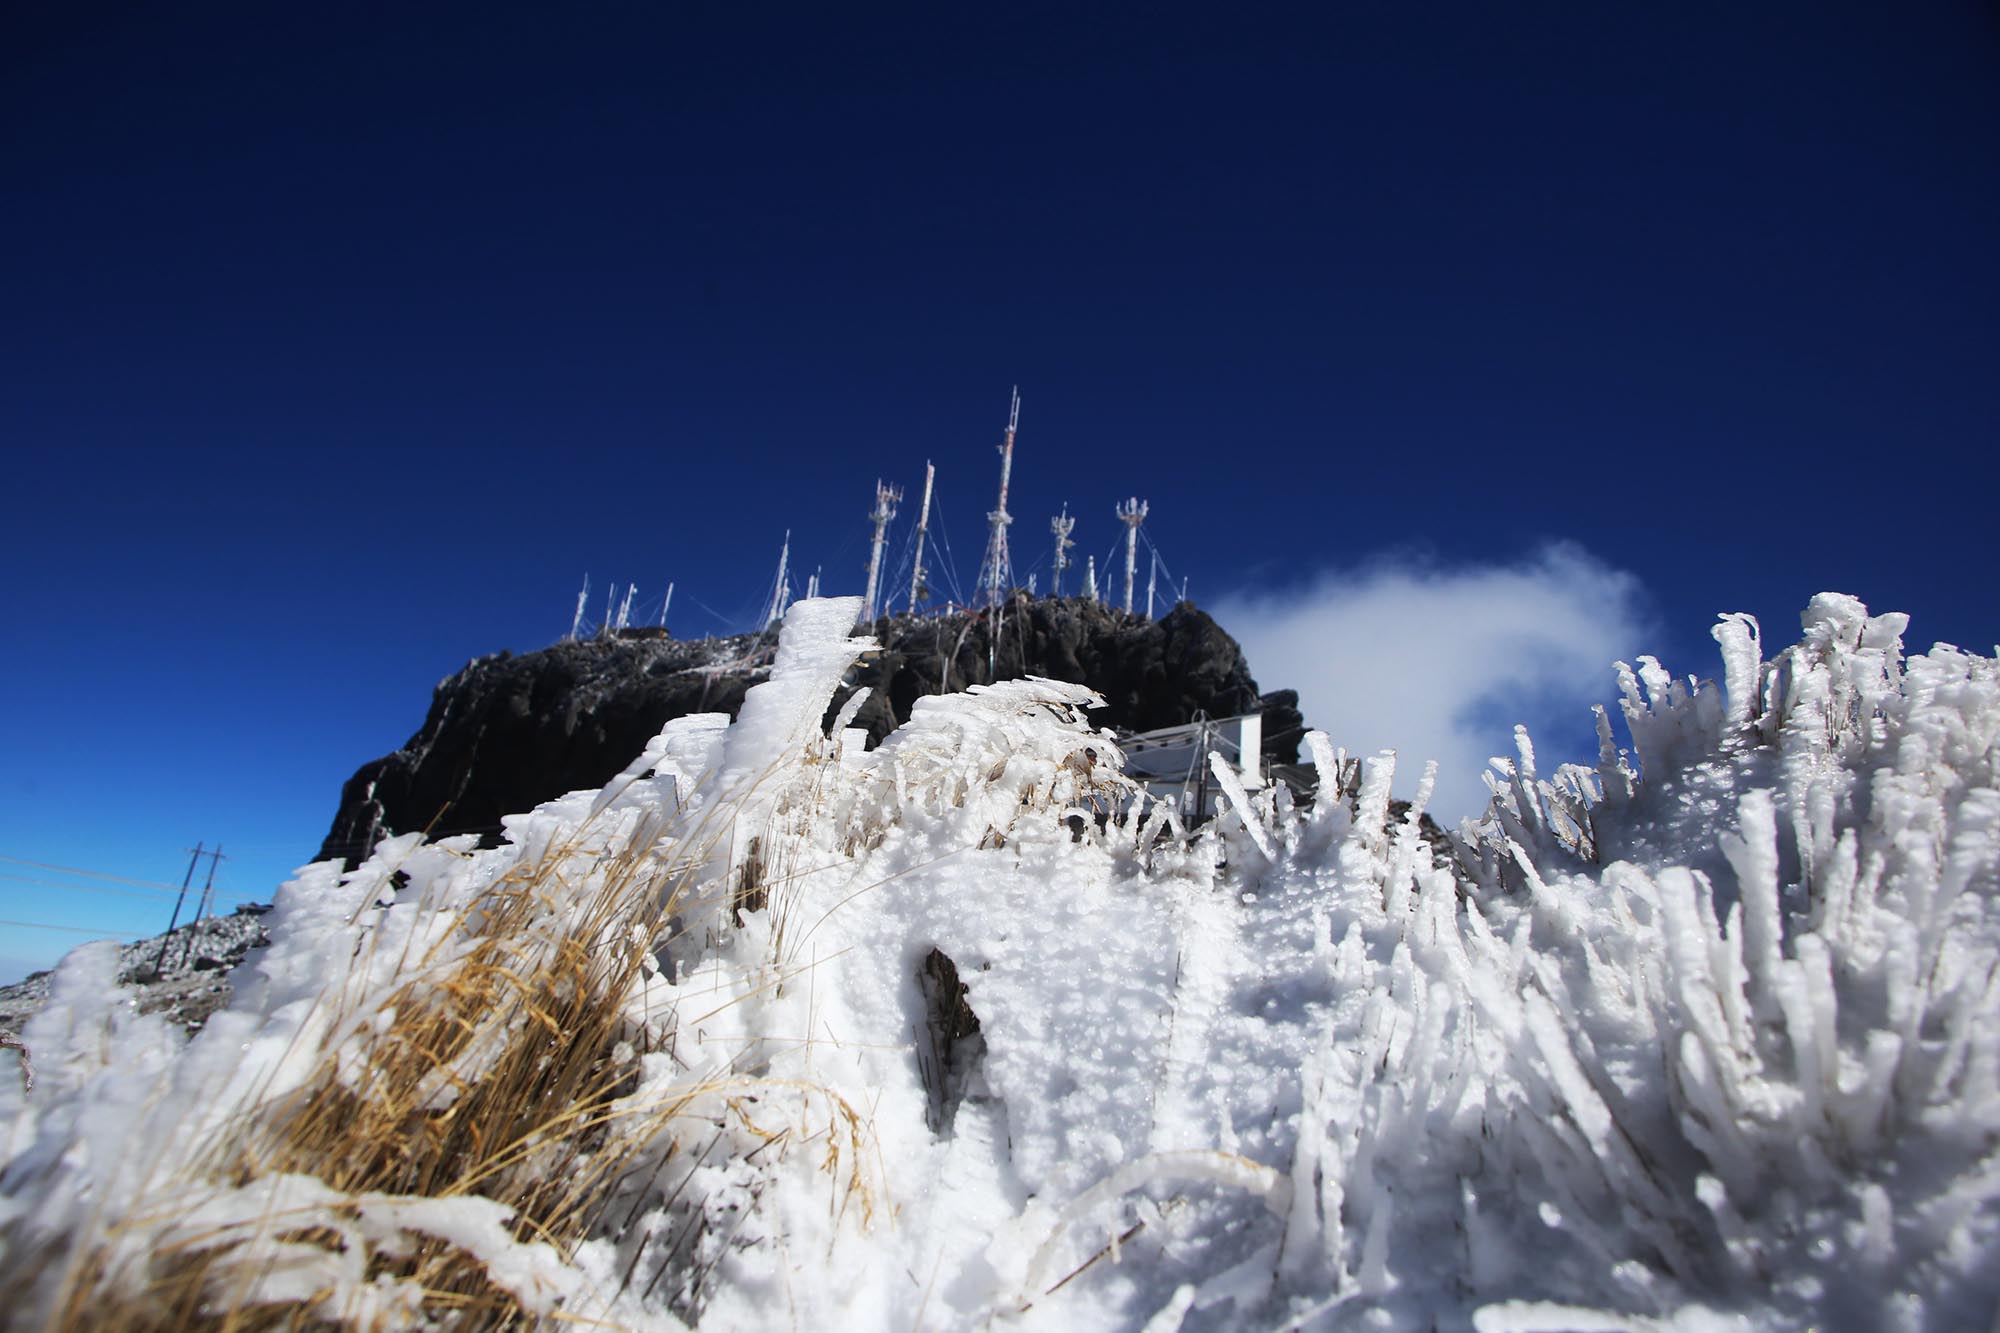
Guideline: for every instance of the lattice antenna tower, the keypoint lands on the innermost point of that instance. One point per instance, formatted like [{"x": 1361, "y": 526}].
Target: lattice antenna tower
[
  {"x": 996, "y": 572},
  {"x": 917, "y": 570},
  {"x": 1061, "y": 527},
  {"x": 780, "y": 589},
  {"x": 1131, "y": 513},
  {"x": 885, "y": 509}
]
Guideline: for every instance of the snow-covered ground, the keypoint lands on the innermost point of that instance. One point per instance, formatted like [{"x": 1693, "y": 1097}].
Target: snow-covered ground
[{"x": 961, "y": 1031}]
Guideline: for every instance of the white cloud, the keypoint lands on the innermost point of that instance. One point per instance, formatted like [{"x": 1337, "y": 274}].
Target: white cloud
[{"x": 1440, "y": 663}]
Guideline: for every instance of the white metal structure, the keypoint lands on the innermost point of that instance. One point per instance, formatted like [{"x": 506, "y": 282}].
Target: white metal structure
[
  {"x": 885, "y": 509},
  {"x": 917, "y": 588},
  {"x": 1090, "y": 579},
  {"x": 1061, "y": 527},
  {"x": 664, "y": 605},
  {"x": 1131, "y": 513},
  {"x": 996, "y": 572},
  {"x": 576, "y": 621},
  {"x": 780, "y": 591},
  {"x": 1173, "y": 762}
]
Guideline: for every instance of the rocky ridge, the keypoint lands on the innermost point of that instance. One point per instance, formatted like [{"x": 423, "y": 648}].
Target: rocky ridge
[{"x": 508, "y": 732}]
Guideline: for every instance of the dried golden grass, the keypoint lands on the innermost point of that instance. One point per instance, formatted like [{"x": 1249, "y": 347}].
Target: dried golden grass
[{"x": 547, "y": 1124}]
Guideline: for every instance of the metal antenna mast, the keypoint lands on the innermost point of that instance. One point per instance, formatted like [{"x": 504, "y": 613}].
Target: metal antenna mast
[
  {"x": 664, "y": 605},
  {"x": 1131, "y": 513},
  {"x": 997, "y": 573},
  {"x": 778, "y": 592},
  {"x": 1152, "y": 584},
  {"x": 1090, "y": 579},
  {"x": 885, "y": 509},
  {"x": 1061, "y": 528},
  {"x": 917, "y": 588},
  {"x": 576, "y": 621}
]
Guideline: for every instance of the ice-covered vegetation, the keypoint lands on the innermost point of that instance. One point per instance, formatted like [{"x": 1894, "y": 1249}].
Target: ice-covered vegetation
[{"x": 961, "y": 1031}]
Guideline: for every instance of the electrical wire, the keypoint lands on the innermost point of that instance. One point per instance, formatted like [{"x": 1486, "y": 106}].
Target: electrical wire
[
  {"x": 74, "y": 930},
  {"x": 82, "y": 888},
  {"x": 91, "y": 874}
]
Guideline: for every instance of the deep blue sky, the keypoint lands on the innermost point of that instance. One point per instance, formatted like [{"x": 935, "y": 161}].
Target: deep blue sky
[{"x": 337, "y": 346}]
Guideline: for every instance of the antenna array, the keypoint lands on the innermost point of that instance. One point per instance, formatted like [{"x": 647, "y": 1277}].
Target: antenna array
[
  {"x": 1131, "y": 513},
  {"x": 917, "y": 571},
  {"x": 885, "y": 509},
  {"x": 1061, "y": 526},
  {"x": 996, "y": 572}
]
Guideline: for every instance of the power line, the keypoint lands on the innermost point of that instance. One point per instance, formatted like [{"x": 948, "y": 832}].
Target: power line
[
  {"x": 74, "y": 930},
  {"x": 88, "y": 874},
  {"x": 76, "y": 888}
]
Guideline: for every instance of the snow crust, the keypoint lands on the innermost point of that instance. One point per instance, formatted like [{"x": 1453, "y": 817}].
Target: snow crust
[{"x": 1706, "y": 1035}]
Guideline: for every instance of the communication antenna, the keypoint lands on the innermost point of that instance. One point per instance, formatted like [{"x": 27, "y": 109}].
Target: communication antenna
[
  {"x": 812, "y": 586},
  {"x": 996, "y": 572},
  {"x": 1152, "y": 584},
  {"x": 1090, "y": 579},
  {"x": 576, "y": 621},
  {"x": 664, "y": 605},
  {"x": 1131, "y": 513},
  {"x": 1061, "y": 528},
  {"x": 625, "y": 607},
  {"x": 917, "y": 588},
  {"x": 885, "y": 509},
  {"x": 610, "y": 600},
  {"x": 779, "y": 590}
]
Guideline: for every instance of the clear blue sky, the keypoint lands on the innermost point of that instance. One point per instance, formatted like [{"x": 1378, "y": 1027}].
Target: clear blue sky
[{"x": 339, "y": 343}]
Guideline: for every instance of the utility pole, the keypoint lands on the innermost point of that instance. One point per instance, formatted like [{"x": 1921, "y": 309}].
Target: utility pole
[
  {"x": 885, "y": 509},
  {"x": 1061, "y": 528},
  {"x": 996, "y": 572},
  {"x": 917, "y": 588},
  {"x": 207, "y": 895},
  {"x": 194, "y": 859},
  {"x": 1131, "y": 513}
]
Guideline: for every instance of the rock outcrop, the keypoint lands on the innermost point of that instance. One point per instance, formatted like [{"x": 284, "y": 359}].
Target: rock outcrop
[{"x": 507, "y": 733}]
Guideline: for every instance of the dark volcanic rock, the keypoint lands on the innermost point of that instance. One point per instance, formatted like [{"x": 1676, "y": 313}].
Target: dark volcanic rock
[{"x": 507, "y": 733}]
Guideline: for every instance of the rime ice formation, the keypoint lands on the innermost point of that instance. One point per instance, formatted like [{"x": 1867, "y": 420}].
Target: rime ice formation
[{"x": 777, "y": 1031}]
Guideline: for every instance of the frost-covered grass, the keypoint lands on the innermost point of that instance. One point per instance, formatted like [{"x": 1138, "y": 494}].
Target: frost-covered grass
[{"x": 777, "y": 1032}]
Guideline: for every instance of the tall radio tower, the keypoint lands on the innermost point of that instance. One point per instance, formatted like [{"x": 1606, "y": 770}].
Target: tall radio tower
[
  {"x": 917, "y": 571},
  {"x": 996, "y": 573},
  {"x": 1061, "y": 528},
  {"x": 1131, "y": 513},
  {"x": 780, "y": 591},
  {"x": 885, "y": 509}
]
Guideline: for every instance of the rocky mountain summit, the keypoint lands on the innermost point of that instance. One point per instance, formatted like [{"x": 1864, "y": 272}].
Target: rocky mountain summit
[
  {"x": 183, "y": 974},
  {"x": 508, "y": 732}
]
